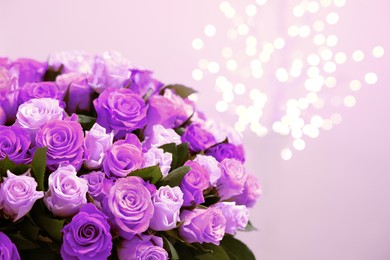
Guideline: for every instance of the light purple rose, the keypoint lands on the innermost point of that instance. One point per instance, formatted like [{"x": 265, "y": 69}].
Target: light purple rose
[
  {"x": 64, "y": 141},
  {"x": 120, "y": 109},
  {"x": 159, "y": 136},
  {"x": 36, "y": 112},
  {"x": 236, "y": 216},
  {"x": 18, "y": 195},
  {"x": 251, "y": 192},
  {"x": 156, "y": 156},
  {"x": 227, "y": 150},
  {"x": 110, "y": 70},
  {"x": 72, "y": 61},
  {"x": 141, "y": 82},
  {"x": 198, "y": 138},
  {"x": 8, "y": 93},
  {"x": 67, "y": 193},
  {"x": 129, "y": 206},
  {"x": 3, "y": 116},
  {"x": 221, "y": 132},
  {"x": 8, "y": 249},
  {"x": 203, "y": 225},
  {"x": 87, "y": 236},
  {"x": 98, "y": 185},
  {"x": 184, "y": 107},
  {"x": 165, "y": 112},
  {"x": 211, "y": 165},
  {"x": 14, "y": 143},
  {"x": 142, "y": 247},
  {"x": 167, "y": 203},
  {"x": 123, "y": 157},
  {"x": 194, "y": 183},
  {"x": 79, "y": 91},
  {"x": 96, "y": 144},
  {"x": 233, "y": 178},
  {"x": 39, "y": 90},
  {"x": 29, "y": 70}
]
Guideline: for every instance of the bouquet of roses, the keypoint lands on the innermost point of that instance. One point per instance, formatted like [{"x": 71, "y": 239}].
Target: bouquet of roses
[{"x": 100, "y": 160}]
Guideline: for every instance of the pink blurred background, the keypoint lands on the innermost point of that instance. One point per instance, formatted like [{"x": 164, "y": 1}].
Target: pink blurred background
[{"x": 331, "y": 200}]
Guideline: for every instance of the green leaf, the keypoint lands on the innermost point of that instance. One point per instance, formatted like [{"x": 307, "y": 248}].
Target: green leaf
[
  {"x": 171, "y": 249},
  {"x": 51, "y": 73},
  {"x": 171, "y": 148},
  {"x": 183, "y": 154},
  {"x": 236, "y": 249},
  {"x": 21, "y": 242},
  {"x": 51, "y": 225},
  {"x": 204, "y": 252},
  {"x": 180, "y": 90},
  {"x": 38, "y": 166},
  {"x": 249, "y": 227},
  {"x": 174, "y": 177},
  {"x": 7, "y": 164},
  {"x": 29, "y": 229},
  {"x": 86, "y": 121},
  {"x": 152, "y": 174}
]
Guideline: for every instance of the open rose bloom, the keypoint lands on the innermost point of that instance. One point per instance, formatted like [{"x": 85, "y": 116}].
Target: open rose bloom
[{"x": 100, "y": 160}]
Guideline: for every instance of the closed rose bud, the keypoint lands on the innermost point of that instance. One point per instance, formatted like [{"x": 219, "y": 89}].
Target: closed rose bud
[{"x": 97, "y": 142}]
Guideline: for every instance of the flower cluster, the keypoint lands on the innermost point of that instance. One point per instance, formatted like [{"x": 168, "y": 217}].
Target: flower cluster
[{"x": 103, "y": 160}]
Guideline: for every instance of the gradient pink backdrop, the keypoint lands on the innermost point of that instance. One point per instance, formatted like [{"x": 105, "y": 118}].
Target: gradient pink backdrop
[{"x": 332, "y": 200}]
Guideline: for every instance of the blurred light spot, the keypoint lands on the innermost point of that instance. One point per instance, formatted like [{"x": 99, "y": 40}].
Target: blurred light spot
[
  {"x": 295, "y": 72},
  {"x": 378, "y": 51},
  {"x": 197, "y": 44},
  {"x": 339, "y": 3},
  {"x": 299, "y": 144},
  {"x": 311, "y": 97},
  {"x": 332, "y": 18},
  {"x": 243, "y": 29},
  {"x": 319, "y": 39},
  {"x": 251, "y": 41},
  {"x": 304, "y": 31},
  {"x": 280, "y": 128},
  {"x": 213, "y": 67},
  {"x": 330, "y": 82},
  {"x": 317, "y": 121},
  {"x": 327, "y": 124},
  {"x": 318, "y": 26},
  {"x": 250, "y": 51},
  {"x": 349, "y": 101},
  {"x": 355, "y": 85},
  {"x": 220, "y": 81},
  {"x": 297, "y": 63},
  {"x": 313, "y": 71},
  {"x": 227, "y": 52},
  {"x": 371, "y": 78},
  {"x": 313, "y": 59},
  {"x": 281, "y": 74},
  {"x": 313, "y": 7},
  {"x": 264, "y": 57},
  {"x": 330, "y": 67},
  {"x": 293, "y": 30},
  {"x": 221, "y": 106},
  {"x": 261, "y": 2},
  {"x": 286, "y": 154},
  {"x": 239, "y": 89},
  {"x": 311, "y": 131},
  {"x": 314, "y": 84},
  {"x": 251, "y": 10},
  {"x": 298, "y": 11},
  {"x": 231, "y": 65},
  {"x": 210, "y": 30},
  {"x": 340, "y": 58},
  {"x": 358, "y": 56},
  {"x": 319, "y": 104},
  {"x": 232, "y": 34},
  {"x": 239, "y": 126},
  {"x": 202, "y": 63},
  {"x": 279, "y": 43},
  {"x": 331, "y": 40},
  {"x": 228, "y": 96},
  {"x": 303, "y": 103},
  {"x": 296, "y": 133},
  {"x": 336, "y": 118},
  {"x": 326, "y": 54},
  {"x": 268, "y": 48},
  {"x": 326, "y": 3},
  {"x": 197, "y": 74}
]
